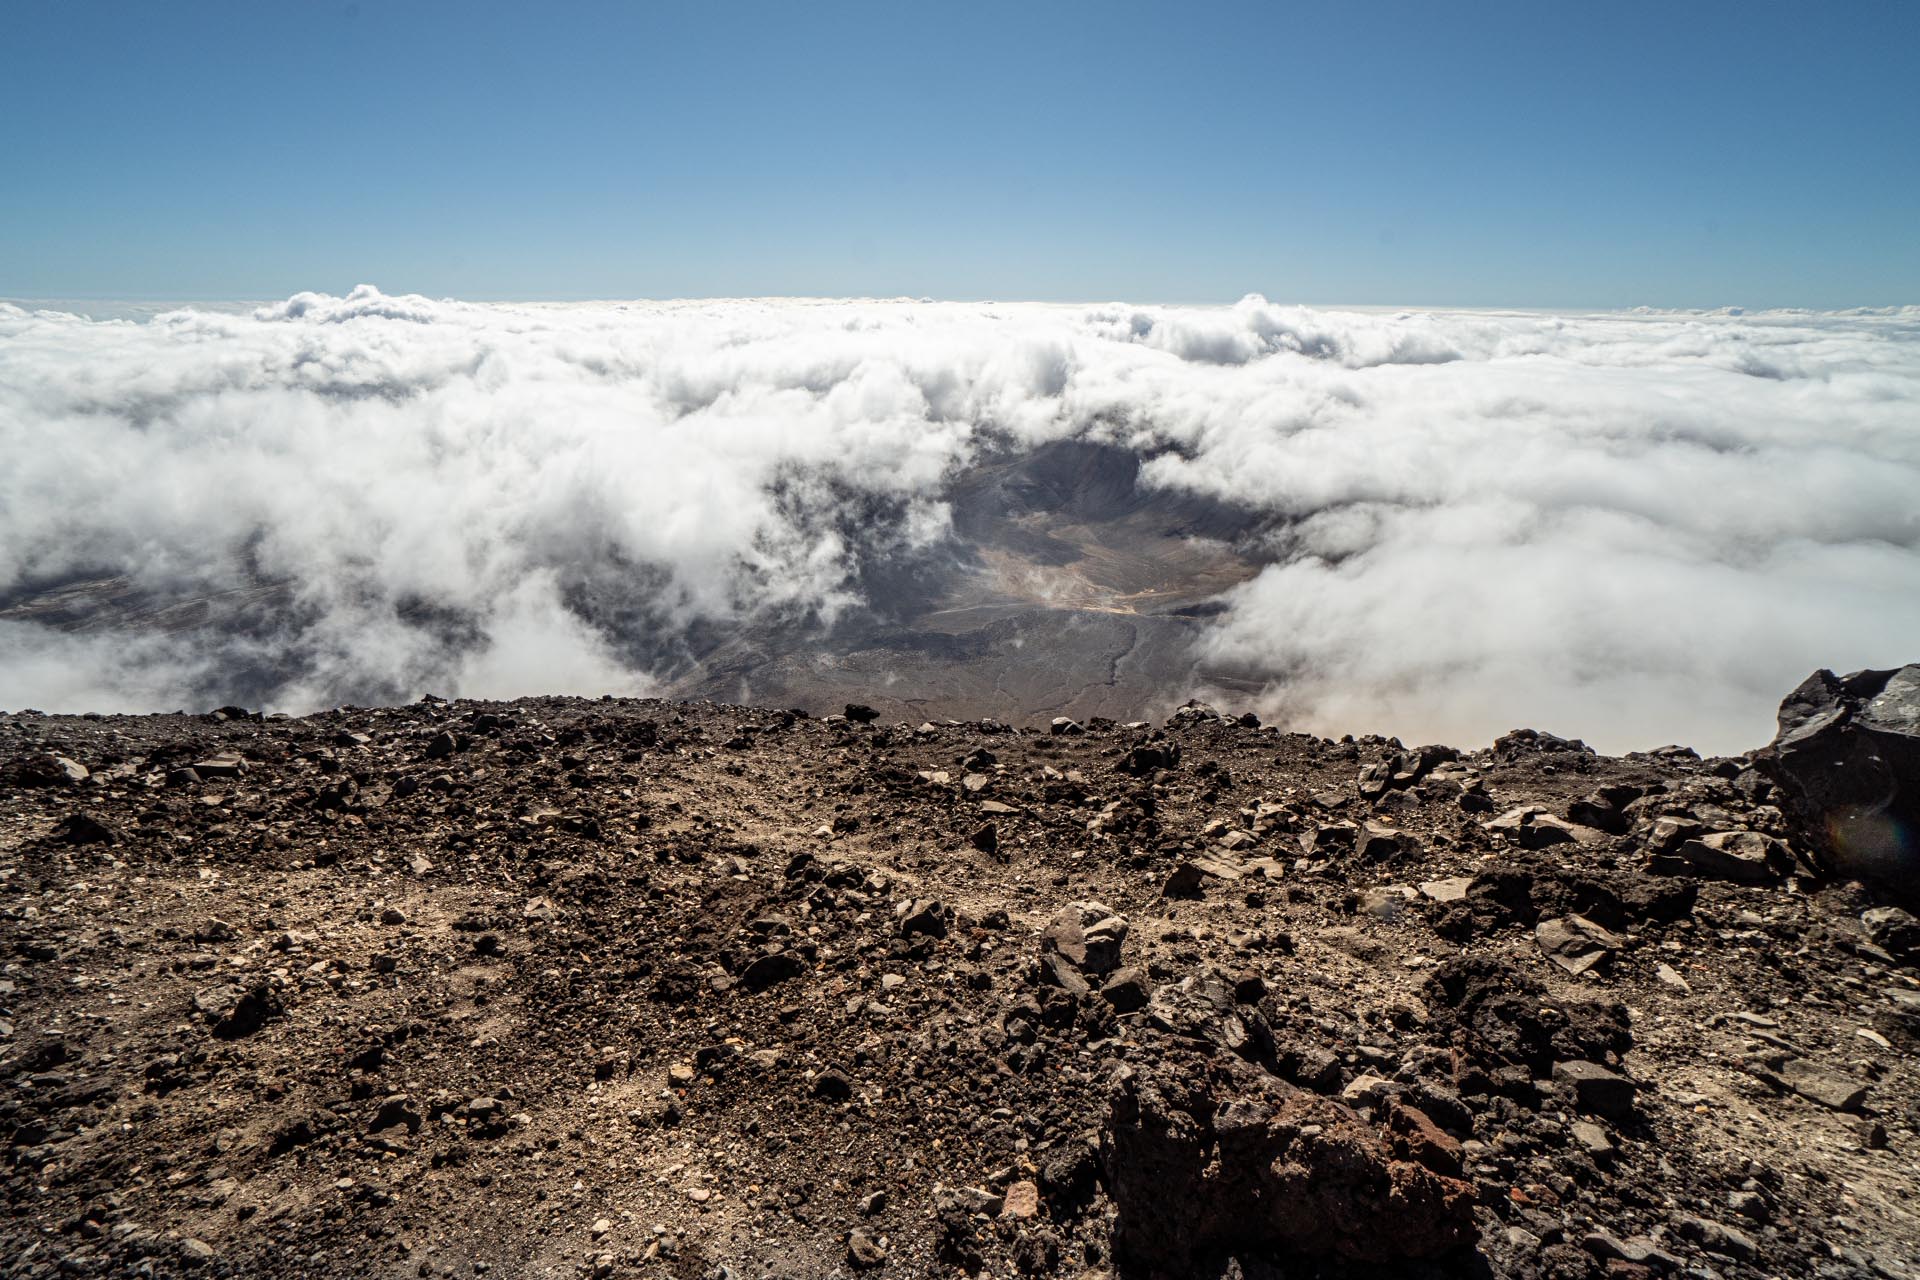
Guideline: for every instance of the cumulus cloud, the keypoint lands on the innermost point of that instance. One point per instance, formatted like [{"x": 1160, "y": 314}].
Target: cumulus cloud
[{"x": 1630, "y": 527}]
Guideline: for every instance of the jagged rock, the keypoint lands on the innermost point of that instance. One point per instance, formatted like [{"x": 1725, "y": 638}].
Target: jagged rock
[
  {"x": 1374, "y": 780},
  {"x": 1126, "y": 990},
  {"x": 1604, "y": 809},
  {"x": 1022, "y": 1200},
  {"x": 1183, "y": 882},
  {"x": 1205, "y": 1007},
  {"x": 959, "y": 1214},
  {"x": 1366, "y": 1089},
  {"x": 1715, "y": 1237},
  {"x": 1596, "y": 1089},
  {"x": 46, "y": 770},
  {"x": 1149, "y": 758},
  {"x": 302, "y": 1130},
  {"x": 1118, "y": 817},
  {"x": 1328, "y": 839},
  {"x": 833, "y": 1085},
  {"x": 926, "y": 916},
  {"x": 1637, "y": 1252},
  {"x": 1894, "y": 930},
  {"x": 966, "y": 1200},
  {"x": 1592, "y": 1139},
  {"x": 396, "y": 1109},
  {"x": 215, "y": 930},
  {"x": 1058, "y": 971},
  {"x": 1220, "y": 866},
  {"x": 1383, "y": 844},
  {"x": 231, "y": 765},
  {"x": 1198, "y": 1164},
  {"x": 1386, "y": 903},
  {"x": 1847, "y": 762},
  {"x": 234, "y": 1010},
  {"x": 1510, "y": 822},
  {"x": 1087, "y": 937},
  {"x": 1745, "y": 857},
  {"x": 1576, "y": 943},
  {"x": 1531, "y": 888},
  {"x": 1417, "y": 1138}
]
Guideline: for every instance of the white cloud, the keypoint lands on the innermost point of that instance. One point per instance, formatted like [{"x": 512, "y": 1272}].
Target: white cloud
[{"x": 1628, "y": 527}]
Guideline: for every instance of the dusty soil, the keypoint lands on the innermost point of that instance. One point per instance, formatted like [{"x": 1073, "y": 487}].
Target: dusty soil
[{"x": 621, "y": 988}]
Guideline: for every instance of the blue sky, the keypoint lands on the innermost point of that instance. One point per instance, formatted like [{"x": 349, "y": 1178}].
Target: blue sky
[{"x": 1539, "y": 154}]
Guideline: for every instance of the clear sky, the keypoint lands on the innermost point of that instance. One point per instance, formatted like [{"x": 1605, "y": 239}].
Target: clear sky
[{"x": 1681, "y": 153}]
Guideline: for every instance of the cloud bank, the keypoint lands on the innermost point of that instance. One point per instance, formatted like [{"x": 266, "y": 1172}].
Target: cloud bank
[{"x": 1634, "y": 528}]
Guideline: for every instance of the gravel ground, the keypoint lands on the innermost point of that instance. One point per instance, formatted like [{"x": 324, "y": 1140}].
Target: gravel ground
[{"x": 624, "y": 988}]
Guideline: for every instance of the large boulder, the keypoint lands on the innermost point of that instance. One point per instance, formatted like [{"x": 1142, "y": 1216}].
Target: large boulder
[
  {"x": 1205, "y": 1164},
  {"x": 1847, "y": 763}
]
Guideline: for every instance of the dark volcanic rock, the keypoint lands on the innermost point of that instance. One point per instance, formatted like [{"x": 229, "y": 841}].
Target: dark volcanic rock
[
  {"x": 1204, "y": 1007},
  {"x": 80, "y": 829},
  {"x": 1596, "y": 1089},
  {"x": 1745, "y": 857},
  {"x": 1895, "y": 930},
  {"x": 1847, "y": 763},
  {"x": 234, "y": 1010},
  {"x": 768, "y": 970},
  {"x": 1498, "y": 1017},
  {"x": 1200, "y": 1166},
  {"x": 1148, "y": 758}
]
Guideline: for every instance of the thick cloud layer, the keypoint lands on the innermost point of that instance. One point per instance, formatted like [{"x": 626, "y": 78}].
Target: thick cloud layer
[{"x": 1632, "y": 528}]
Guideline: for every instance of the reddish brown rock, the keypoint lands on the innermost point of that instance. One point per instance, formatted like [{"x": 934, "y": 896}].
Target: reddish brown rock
[
  {"x": 1419, "y": 1139},
  {"x": 1222, "y": 1158}
]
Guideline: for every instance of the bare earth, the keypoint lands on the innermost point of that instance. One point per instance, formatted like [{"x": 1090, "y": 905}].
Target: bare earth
[{"x": 572, "y": 988}]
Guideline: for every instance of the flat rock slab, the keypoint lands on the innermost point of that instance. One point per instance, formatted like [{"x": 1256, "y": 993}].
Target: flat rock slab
[
  {"x": 1451, "y": 890},
  {"x": 1828, "y": 1088},
  {"x": 1220, "y": 868}
]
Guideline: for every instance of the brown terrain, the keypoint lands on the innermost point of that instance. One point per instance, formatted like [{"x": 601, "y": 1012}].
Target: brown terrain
[{"x": 579, "y": 988}]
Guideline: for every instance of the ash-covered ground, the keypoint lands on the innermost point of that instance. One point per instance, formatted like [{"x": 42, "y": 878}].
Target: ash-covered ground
[{"x": 618, "y": 988}]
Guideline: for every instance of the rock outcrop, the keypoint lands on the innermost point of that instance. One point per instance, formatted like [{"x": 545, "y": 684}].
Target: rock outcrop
[
  {"x": 1204, "y": 1165},
  {"x": 1847, "y": 763}
]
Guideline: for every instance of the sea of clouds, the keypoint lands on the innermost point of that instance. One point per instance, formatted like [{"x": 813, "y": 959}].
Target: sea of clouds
[{"x": 1631, "y": 527}]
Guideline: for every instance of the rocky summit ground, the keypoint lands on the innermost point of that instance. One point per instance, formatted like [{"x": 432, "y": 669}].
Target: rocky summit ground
[{"x": 618, "y": 988}]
